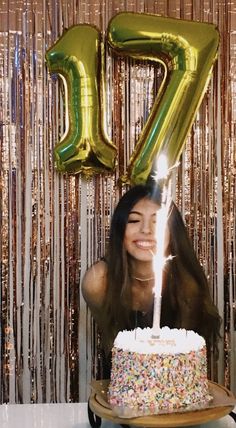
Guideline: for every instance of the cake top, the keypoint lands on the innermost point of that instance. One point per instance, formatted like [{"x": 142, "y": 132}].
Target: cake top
[{"x": 170, "y": 341}]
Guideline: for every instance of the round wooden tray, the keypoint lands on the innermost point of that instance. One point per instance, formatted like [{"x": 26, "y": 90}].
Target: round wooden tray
[{"x": 99, "y": 405}]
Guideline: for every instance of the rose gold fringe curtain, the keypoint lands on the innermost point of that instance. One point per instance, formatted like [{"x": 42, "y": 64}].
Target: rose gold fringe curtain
[{"x": 53, "y": 227}]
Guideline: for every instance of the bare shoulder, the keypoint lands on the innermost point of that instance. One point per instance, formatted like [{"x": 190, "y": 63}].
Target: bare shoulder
[{"x": 94, "y": 284}]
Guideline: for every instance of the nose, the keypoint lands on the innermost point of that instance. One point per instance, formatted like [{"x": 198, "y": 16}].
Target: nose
[{"x": 146, "y": 227}]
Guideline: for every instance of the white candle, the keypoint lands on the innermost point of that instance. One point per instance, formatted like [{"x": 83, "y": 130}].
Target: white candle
[{"x": 156, "y": 317}]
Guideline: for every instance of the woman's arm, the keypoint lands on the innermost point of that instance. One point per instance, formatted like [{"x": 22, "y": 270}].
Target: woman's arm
[{"x": 94, "y": 286}]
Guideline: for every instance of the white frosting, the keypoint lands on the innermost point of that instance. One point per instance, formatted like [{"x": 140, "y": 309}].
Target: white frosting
[{"x": 170, "y": 341}]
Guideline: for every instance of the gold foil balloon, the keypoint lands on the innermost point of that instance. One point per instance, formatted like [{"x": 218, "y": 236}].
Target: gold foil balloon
[
  {"x": 188, "y": 50},
  {"x": 77, "y": 58}
]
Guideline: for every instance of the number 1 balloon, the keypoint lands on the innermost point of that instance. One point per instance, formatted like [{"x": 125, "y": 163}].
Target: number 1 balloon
[{"x": 77, "y": 57}]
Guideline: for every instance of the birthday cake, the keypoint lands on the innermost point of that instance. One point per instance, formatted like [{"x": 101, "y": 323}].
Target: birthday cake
[{"x": 152, "y": 376}]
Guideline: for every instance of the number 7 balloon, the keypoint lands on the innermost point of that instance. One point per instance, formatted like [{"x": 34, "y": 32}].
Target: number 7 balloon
[
  {"x": 77, "y": 58},
  {"x": 188, "y": 50}
]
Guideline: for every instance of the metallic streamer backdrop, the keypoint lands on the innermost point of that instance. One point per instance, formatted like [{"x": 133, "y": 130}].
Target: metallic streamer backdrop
[{"x": 53, "y": 227}]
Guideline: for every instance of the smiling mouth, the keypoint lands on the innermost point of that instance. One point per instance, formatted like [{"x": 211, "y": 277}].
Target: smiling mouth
[{"x": 145, "y": 245}]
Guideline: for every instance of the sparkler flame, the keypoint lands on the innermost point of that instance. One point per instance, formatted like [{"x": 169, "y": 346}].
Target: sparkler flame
[{"x": 160, "y": 176}]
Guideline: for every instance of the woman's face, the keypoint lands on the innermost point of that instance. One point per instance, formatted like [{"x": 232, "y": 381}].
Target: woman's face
[{"x": 139, "y": 238}]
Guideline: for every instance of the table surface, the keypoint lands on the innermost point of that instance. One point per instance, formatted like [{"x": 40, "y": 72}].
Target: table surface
[{"x": 67, "y": 416}]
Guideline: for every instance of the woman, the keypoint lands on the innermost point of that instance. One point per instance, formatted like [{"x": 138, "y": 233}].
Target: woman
[{"x": 119, "y": 289}]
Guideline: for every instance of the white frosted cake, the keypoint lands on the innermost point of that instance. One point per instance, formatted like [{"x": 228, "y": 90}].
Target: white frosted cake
[{"x": 151, "y": 376}]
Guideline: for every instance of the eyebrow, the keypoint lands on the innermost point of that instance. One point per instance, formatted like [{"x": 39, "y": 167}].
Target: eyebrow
[{"x": 137, "y": 212}]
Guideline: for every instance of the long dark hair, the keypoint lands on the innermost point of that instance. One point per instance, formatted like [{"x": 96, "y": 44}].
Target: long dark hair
[{"x": 186, "y": 287}]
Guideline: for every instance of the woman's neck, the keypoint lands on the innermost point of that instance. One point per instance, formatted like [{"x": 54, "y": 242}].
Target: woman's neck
[{"x": 141, "y": 271}]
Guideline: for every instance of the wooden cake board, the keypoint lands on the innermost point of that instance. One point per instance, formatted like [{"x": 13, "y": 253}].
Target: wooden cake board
[{"x": 223, "y": 403}]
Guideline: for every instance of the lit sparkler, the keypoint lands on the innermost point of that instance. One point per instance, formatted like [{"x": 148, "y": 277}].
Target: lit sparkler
[{"x": 160, "y": 176}]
